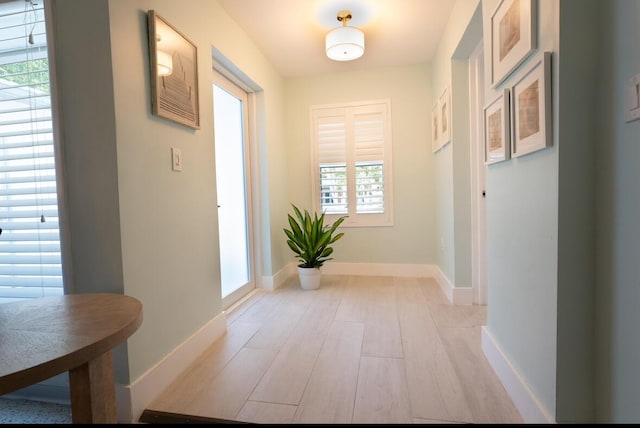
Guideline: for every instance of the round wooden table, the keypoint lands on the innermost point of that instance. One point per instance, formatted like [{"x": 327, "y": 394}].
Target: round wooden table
[{"x": 41, "y": 338}]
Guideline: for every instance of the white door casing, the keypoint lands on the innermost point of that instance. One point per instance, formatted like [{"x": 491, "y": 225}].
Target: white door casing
[{"x": 478, "y": 171}]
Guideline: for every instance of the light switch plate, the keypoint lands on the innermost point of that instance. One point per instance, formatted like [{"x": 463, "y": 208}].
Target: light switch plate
[
  {"x": 632, "y": 99},
  {"x": 176, "y": 156}
]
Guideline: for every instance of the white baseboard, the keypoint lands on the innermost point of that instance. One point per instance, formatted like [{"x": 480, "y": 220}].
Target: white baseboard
[
  {"x": 523, "y": 398},
  {"x": 131, "y": 400},
  {"x": 456, "y": 295},
  {"x": 282, "y": 276},
  {"x": 378, "y": 269},
  {"x": 266, "y": 282}
]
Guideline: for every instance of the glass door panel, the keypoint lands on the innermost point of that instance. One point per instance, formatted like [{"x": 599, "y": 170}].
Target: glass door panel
[{"x": 232, "y": 190}]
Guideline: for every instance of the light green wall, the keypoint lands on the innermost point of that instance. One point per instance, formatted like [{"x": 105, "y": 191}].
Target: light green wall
[
  {"x": 411, "y": 239},
  {"x": 618, "y": 211},
  {"x": 445, "y": 245},
  {"x": 522, "y": 237},
  {"x": 543, "y": 227},
  {"x": 577, "y": 60},
  {"x": 453, "y": 221},
  {"x": 461, "y": 153},
  {"x": 541, "y": 206},
  {"x": 92, "y": 227},
  {"x": 137, "y": 227},
  {"x": 461, "y": 149}
]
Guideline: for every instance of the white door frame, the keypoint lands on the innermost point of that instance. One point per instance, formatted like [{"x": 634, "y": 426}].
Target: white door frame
[
  {"x": 478, "y": 172},
  {"x": 251, "y": 183}
]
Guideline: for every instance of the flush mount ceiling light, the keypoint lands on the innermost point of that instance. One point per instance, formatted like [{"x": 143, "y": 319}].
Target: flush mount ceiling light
[{"x": 344, "y": 43}]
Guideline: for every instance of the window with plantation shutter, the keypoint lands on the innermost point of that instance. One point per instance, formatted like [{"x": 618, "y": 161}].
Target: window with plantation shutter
[
  {"x": 351, "y": 162},
  {"x": 30, "y": 260}
]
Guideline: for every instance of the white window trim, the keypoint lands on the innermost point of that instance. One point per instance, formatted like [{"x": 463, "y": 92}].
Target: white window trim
[{"x": 363, "y": 219}]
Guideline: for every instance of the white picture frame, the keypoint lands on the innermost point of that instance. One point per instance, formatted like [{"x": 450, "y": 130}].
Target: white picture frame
[
  {"x": 444, "y": 117},
  {"x": 435, "y": 127},
  {"x": 497, "y": 129},
  {"x": 513, "y": 37},
  {"x": 531, "y": 115}
]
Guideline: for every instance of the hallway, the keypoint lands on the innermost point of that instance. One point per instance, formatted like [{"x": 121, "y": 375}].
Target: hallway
[{"x": 357, "y": 350}]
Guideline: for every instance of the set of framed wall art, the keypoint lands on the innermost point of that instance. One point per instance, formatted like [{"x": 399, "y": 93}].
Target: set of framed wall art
[{"x": 518, "y": 120}]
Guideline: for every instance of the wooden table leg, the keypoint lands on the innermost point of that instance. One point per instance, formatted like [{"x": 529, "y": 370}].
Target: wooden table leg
[{"x": 93, "y": 395}]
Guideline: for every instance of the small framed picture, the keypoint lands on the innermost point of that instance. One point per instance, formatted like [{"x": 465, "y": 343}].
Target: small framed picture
[
  {"x": 497, "y": 141},
  {"x": 531, "y": 109},
  {"x": 174, "y": 73},
  {"x": 632, "y": 99},
  {"x": 435, "y": 128},
  {"x": 513, "y": 37},
  {"x": 444, "y": 108}
]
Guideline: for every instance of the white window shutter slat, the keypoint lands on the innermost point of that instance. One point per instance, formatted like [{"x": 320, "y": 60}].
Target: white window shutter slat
[{"x": 331, "y": 134}]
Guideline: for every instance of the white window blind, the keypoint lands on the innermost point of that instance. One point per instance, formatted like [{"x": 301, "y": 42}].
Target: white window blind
[
  {"x": 351, "y": 146},
  {"x": 30, "y": 260}
]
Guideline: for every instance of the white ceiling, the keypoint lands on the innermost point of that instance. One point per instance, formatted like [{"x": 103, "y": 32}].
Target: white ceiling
[{"x": 291, "y": 33}]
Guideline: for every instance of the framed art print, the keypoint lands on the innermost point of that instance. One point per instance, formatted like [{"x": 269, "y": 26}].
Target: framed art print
[
  {"x": 435, "y": 128},
  {"x": 513, "y": 37},
  {"x": 531, "y": 109},
  {"x": 497, "y": 129},
  {"x": 174, "y": 73},
  {"x": 444, "y": 117}
]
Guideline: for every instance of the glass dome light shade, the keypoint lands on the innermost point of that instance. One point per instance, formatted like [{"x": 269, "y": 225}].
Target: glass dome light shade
[
  {"x": 165, "y": 63},
  {"x": 344, "y": 43}
]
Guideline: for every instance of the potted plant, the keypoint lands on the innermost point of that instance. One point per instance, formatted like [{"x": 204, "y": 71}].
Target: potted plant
[{"x": 310, "y": 239}]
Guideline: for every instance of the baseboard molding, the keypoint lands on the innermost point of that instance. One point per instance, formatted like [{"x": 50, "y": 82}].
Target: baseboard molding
[
  {"x": 271, "y": 283},
  {"x": 378, "y": 269},
  {"x": 523, "y": 398},
  {"x": 456, "y": 295},
  {"x": 131, "y": 400}
]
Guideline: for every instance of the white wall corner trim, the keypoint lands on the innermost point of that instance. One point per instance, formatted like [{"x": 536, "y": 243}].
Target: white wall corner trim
[
  {"x": 523, "y": 398},
  {"x": 378, "y": 269},
  {"x": 276, "y": 281},
  {"x": 456, "y": 295},
  {"x": 131, "y": 400}
]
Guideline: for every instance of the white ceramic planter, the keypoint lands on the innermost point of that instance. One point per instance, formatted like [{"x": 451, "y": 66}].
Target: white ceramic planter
[{"x": 309, "y": 278}]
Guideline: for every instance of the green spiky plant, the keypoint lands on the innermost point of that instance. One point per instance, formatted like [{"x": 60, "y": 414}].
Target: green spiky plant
[{"x": 310, "y": 238}]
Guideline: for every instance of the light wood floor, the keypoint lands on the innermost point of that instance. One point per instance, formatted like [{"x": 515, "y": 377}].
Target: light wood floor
[{"x": 357, "y": 350}]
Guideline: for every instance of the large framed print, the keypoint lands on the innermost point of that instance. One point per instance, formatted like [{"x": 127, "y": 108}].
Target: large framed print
[
  {"x": 513, "y": 37},
  {"x": 174, "y": 73},
  {"x": 531, "y": 108},
  {"x": 497, "y": 141}
]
